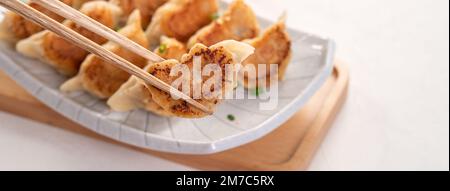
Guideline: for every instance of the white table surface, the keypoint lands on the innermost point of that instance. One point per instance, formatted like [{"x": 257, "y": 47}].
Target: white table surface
[{"x": 396, "y": 116}]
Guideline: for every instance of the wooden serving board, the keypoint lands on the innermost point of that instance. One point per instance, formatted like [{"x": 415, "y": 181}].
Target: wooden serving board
[{"x": 290, "y": 147}]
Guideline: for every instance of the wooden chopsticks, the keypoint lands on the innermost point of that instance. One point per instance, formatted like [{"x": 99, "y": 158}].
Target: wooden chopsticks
[
  {"x": 83, "y": 42},
  {"x": 81, "y": 19}
]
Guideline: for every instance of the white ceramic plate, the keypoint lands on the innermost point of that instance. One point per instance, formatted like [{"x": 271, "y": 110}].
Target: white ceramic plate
[{"x": 310, "y": 67}]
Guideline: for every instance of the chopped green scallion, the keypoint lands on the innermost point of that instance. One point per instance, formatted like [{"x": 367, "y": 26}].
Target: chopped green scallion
[
  {"x": 215, "y": 16},
  {"x": 231, "y": 117},
  {"x": 162, "y": 48}
]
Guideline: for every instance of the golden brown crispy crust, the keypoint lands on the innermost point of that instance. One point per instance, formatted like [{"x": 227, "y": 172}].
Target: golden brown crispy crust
[
  {"x": 151, "y": 105},
  {"x": 146, "y": 7},
  {"x": 174, "y": 49},
  {"x": 180, "y": 19},
  {"x": 272, "y": 47},
  {"x": 67, "y": 57},
  {"x": 22, "y": 28},
  {"x": 162, "y": 70},
  {"x": 199, "y": 13},
  {"x": 237, "y": 23}
]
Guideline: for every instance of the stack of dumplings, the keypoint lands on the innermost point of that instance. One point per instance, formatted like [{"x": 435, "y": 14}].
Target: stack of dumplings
[{"x": 176, "y": 30}]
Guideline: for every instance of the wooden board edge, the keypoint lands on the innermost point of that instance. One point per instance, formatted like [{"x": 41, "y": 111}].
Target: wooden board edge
[
  {"x": 315, "y": 135},
  {"x": 299, "y": 160}
]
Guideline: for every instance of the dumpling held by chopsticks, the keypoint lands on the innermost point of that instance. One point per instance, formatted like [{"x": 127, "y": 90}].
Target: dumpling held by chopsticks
[{"x": 136, "y": 94}]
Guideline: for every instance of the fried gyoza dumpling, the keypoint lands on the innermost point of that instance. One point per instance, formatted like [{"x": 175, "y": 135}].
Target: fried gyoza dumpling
[
  {"x": 180, "y": 19},
  {"x": 273, "y": 47},
  {"x": 237, "y": 23},
  {"x": 14, "y": 27},
  {"x": 134, "y": 94},
  {"x": 101, "y": 78},
  {"x": 61, "y": 54},
  {"x": 222, "y": 54},
  {"x": 146, "y": 7}
]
